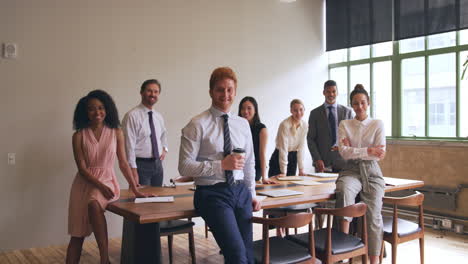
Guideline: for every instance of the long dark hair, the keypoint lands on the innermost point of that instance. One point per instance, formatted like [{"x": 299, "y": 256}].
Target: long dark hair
[
  {"x": 256, "y": 117},
  {"x": 80, "y": 118}
]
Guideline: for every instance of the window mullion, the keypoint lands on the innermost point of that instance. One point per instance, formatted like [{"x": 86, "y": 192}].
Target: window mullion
[
  {"x": 457, "y": 88},
  {"x": 396, "y": 91},
  {"x": 348, "y": 76},
  {"x": 426, "y": 85},
  {"x": 371, "y": 80}
]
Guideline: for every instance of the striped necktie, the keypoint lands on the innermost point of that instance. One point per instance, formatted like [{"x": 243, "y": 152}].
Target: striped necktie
[{"x": 227, "y": 148}]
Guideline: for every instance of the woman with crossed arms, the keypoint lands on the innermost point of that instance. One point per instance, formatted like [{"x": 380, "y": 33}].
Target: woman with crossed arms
[{"x": 362, "y": 144}]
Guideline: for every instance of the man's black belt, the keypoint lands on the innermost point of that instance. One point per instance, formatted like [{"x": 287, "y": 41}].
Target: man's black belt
[
  {"x": 145, "y": 159},
  {"x": 220, "y": 184}
]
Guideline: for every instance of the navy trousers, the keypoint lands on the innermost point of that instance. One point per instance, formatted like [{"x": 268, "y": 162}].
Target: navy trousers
[
  {"x": 227, "y": 210},
  {"x": 150, "y": 172}
]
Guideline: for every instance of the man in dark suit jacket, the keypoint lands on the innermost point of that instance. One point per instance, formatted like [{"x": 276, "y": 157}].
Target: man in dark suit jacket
[{"x": 322, "y": 137}]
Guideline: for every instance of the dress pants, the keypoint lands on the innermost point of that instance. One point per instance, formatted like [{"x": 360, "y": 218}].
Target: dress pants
[
  {"x": 364, "y": 178},
  {"x": 227, "y": 210},
  {"x": 150, "y": 171}
]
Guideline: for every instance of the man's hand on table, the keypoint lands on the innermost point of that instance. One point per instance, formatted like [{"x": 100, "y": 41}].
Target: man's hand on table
[
  {"x": 319, "y": 166},
  {"x": 139, "y": 194}
]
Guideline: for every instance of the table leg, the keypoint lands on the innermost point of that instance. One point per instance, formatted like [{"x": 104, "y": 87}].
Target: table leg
[{"x": 141, "y": 243}]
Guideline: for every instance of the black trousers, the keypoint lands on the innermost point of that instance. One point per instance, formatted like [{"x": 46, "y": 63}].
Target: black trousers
[{"x": 275, "y": 166}]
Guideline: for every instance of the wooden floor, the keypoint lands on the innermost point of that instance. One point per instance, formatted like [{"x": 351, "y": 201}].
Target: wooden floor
[{"x": 440, "y": 247}]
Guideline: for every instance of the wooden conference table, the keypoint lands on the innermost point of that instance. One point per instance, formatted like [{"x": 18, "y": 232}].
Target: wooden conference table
[{"x": 144, "y": 245}]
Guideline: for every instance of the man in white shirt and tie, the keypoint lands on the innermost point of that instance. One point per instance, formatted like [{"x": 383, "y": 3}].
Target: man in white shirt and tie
[
  {"x": 225, "y": 194},
  {"x": 146, "y": 137}
]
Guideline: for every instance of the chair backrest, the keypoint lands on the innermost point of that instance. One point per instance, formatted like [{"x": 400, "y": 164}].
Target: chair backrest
[
  {"x": 411, "y": 200},
  {"x": 289, "y": 221},
  {"x": 355, "y": 210},
  {"x": 416, "y": 199}
]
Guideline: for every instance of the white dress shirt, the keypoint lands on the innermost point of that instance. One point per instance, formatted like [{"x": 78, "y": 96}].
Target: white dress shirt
[
  {"x": 290, "y": 138},
  {"x": 137, "y": 131},
  {"x": 361, "y": 134},
  {"x": 202, "y": 148}
]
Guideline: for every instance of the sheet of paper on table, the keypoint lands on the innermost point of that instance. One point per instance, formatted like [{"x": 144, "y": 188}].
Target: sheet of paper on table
[
  {"x": 290, "y": 178},
  {"x": 394, "y": 181},
  {"x": 159, "y": 199},
  {"x": 308, "y": 182},
  {"x": 323, "y": 174},
  {"x": 280, "y": 193}
]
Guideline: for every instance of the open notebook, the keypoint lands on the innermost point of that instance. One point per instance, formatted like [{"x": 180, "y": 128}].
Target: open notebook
[{"x": 279, "y": 193}]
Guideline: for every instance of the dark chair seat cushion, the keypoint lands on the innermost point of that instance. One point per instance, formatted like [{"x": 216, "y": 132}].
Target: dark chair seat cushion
[
  {"x": 293, "y": 208},
  {"x": 341, "y": 242},
  {"x": 281, "y": 251},
  {"x": 174, "y": 225},
  {"x": 404, "y": 227}
]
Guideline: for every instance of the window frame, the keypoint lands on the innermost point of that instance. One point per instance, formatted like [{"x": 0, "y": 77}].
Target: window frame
[{"x": 396, "y": 60}]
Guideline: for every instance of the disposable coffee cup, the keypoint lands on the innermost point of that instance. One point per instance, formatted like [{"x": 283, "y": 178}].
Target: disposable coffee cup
[{"x": 238, "y": 151}]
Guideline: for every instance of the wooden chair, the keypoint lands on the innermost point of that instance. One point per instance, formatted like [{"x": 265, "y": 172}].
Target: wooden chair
[
  {"x": 284, "y": 211},
  {"x": 292, "y": 209},
  {"x": 397, "y": 230},
  {"x": 332, "y": 245},
  {"x": 280, "y": 250},
  {"x": 175, "y": 227}
]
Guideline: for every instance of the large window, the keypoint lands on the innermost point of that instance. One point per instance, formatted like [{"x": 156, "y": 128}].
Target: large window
[
  {"x": 340, "y": 75},
  {"x": 381, "y": 103},
  {"x": 463, "y": 110},
  {"x": 413, "y": 97},
  {"x": 415, "y": 84}
]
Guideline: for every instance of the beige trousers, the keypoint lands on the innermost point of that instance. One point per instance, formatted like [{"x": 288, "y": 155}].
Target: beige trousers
[{"x": 365, "y": 178}]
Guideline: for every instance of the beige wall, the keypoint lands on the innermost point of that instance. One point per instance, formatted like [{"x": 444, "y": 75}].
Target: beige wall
[
  {"x": 436, "y": 163},
  {"x": 67, "y": 48}
]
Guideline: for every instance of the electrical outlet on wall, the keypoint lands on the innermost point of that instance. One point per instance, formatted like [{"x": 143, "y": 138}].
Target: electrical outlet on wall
[
  {"x": 10, "y": 50},
  {"x": 11, "y": 158}
]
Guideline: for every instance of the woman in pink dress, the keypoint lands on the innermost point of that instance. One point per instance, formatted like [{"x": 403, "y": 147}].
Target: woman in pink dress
[{"x": 96, "y": 142}]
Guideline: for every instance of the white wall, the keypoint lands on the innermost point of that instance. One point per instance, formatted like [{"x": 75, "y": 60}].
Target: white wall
[{"x": 67, "y": 48}]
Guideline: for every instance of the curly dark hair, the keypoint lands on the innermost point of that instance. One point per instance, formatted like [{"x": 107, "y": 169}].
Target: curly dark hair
[
  {"x": 80, "y": 118},
  {"x": 256, "y": 117}
]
